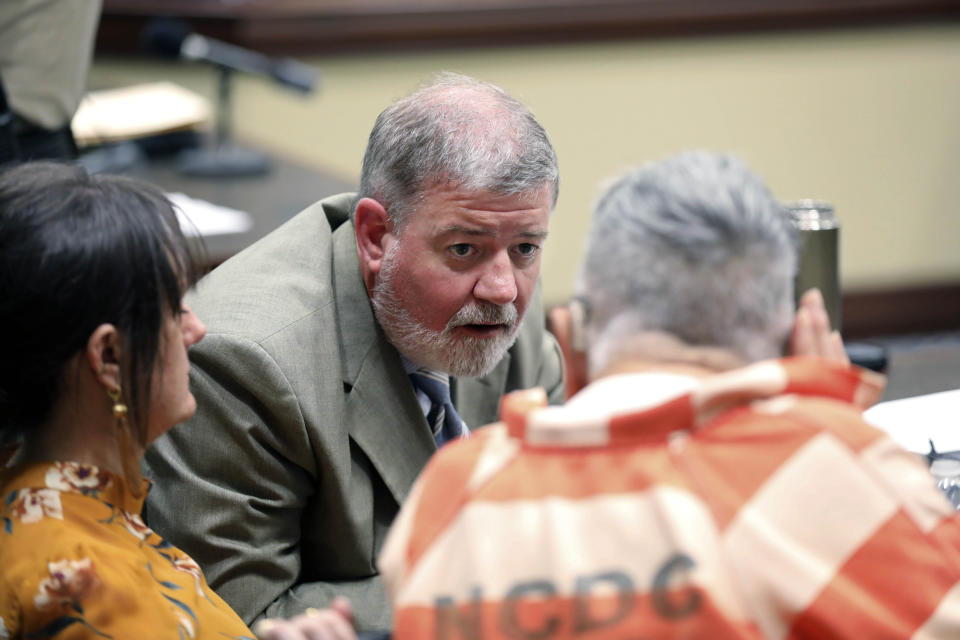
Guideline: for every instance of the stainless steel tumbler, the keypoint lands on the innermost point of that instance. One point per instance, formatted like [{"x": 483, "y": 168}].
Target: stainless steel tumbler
[{"x": 819, "y": 263}]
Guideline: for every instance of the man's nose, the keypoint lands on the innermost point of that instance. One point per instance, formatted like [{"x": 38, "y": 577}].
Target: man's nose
[
  {"x": 191, "y": 327},
  {"x": 497, "y": 283}
]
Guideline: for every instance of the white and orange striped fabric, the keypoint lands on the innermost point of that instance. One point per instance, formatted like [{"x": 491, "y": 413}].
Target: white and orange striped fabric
[{"x": 754, "y": 504}]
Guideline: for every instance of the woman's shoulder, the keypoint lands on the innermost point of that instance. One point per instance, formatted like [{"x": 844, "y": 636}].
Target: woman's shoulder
[
  {"x": 73, "y": 562},
  {"x": 50, "y": 566},
  {"x": 47, "y": 532},
  {"x": 49, "y": 506}
]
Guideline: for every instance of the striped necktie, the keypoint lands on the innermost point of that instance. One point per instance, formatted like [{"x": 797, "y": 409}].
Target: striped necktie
[{"x": 443, "y": 419}]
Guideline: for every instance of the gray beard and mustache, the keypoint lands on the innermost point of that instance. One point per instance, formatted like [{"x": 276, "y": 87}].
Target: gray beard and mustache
[{"x": 442, "y": 350}]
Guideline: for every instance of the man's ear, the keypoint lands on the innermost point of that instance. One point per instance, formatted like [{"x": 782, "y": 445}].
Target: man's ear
[
  {"x": 371, "y": 226},
  {"x": 564, "y": 323},
  {"x": 103, "y": 355}
]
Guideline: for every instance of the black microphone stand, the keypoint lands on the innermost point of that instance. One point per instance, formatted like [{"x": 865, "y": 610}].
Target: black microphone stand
[{"x": 225, "y": 158}]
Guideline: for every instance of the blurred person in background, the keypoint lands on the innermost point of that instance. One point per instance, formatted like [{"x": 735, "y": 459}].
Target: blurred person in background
[
  {"x": 45, "y": 51},
  {"x": 699, "y": 485}
]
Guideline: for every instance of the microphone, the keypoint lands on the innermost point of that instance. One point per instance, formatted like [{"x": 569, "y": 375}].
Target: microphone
[{"x": 173, "y": 39}]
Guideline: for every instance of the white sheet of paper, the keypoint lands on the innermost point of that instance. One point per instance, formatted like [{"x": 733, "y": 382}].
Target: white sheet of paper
[
  {"x": 199, "y": 217},
  {"x": 126, "y": 113},
  {"x": 914, "y": 422}
]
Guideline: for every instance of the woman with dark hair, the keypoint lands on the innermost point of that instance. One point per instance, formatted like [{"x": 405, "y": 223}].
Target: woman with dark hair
[{"x": 92, "y": 275}]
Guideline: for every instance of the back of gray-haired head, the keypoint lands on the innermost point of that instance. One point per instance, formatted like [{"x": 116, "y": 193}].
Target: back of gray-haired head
[
  {"x": 695, "y": 246},
  {"x": 455, "y": 132}
]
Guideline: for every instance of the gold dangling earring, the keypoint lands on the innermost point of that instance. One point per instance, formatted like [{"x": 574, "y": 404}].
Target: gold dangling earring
[
  {"x": 119, "y": 409},
  {"x": 129, "y": 459}
]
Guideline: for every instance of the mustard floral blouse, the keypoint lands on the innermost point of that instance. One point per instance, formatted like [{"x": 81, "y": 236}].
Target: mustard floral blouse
[{"x": 76, "y": 561}]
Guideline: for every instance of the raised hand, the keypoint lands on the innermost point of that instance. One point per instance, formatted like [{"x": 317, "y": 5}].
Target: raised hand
[{"x": 811, "y": 334}]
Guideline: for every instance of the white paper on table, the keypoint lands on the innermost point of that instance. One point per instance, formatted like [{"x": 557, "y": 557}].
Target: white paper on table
[
  {"x": 199, "y": 217},
  {"x": 127, "y": 113},
  {"x": 914, "y": 422}
]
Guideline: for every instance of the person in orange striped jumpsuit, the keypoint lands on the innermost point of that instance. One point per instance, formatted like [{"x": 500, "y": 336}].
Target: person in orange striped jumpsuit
[{"x": 700, "y": 486}]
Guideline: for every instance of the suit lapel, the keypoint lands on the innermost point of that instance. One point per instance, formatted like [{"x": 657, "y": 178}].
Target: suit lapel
[{"x": 381, "y": 412}]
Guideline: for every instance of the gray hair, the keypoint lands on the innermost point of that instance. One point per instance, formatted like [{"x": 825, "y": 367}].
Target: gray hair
[
  {"x": 458, "y": 132},
  {"x": 694, "y": 246}
]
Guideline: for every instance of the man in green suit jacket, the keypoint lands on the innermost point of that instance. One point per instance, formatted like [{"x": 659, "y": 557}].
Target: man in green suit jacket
[{"x": 309, "y": 432}]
